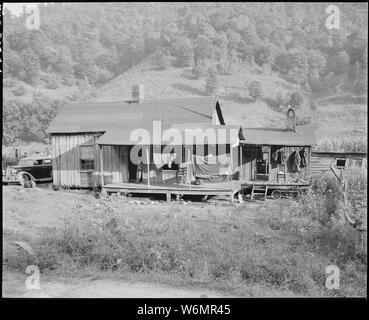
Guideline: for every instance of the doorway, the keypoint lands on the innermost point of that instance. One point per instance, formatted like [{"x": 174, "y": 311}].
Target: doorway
[{"x": 132, "y": 168}]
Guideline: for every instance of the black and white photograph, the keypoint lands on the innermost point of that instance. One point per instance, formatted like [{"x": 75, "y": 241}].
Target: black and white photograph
[{"x": 195, "y": 150}]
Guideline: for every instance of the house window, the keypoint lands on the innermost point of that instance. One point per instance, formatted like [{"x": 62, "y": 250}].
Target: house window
[
  {"x": 86, "y": 156},
  {"x": 340, "y": 162}
]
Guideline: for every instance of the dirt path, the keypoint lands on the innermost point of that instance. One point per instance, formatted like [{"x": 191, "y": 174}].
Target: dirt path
[{"x": 14, "y": 286}]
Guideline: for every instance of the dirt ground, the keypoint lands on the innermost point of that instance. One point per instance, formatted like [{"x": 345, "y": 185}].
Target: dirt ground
[
  {"x": 56, "y": 287},
  {"x": 29, "y": 213}
]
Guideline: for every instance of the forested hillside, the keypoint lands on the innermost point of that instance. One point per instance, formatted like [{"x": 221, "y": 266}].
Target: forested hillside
[{"x": 81, "y": 48}]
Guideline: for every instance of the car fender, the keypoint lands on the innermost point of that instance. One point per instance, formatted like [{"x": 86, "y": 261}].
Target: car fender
[{"x": 21, "y": 173}]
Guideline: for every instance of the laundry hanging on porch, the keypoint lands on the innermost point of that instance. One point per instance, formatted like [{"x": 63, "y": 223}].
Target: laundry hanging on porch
[
  {"x": 278, "y": 157},
  {"x": 212, "y": 166},
  {"x": 303, "y": 155},
  {"x": 295, "y": 160},
  {"x": 162, "y": 159}
]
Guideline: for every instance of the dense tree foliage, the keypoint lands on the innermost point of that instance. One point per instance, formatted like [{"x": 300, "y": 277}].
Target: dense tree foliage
[
  {"x": 27, "y": 121},
  {"x": 101, "y": 40},
  {"x": 89, "y": 44}
]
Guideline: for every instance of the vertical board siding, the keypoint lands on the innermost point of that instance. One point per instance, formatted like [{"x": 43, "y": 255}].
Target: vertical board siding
[
  {"x": 66, "y": 161},
  {"x": 66, "y": 171}
]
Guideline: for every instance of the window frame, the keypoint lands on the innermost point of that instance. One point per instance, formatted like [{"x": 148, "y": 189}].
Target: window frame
[
  {"x": 341, "y": 159},
  {"x": 38, "y": 164},
  {"x": 79, "y": 157}
]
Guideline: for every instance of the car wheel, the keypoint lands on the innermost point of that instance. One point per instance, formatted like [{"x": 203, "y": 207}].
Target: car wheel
[
  {"x": 276, "y": 194},
  {"x": 26, "y": 181},
  {"x": 23, "y": 180}
]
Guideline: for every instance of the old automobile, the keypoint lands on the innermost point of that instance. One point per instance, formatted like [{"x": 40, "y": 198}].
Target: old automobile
[{"x": 29, "y": 171}]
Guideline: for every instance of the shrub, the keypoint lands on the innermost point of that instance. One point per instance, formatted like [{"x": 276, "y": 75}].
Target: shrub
[
  {"x": 255, "y": 91},
  {"x": 52, "y": 81},
  {"x": 211, "y": 82},
  {"x": 196, "y": 71},
  {"x": 295, "y": 100},
  {"x": 69, "y": 79}
]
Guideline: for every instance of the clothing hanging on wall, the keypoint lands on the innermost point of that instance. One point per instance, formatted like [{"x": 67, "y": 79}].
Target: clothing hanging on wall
[
  {"x": 303, "y": 155},
  {"x": 282, "y": 157},
  {"x": 296, "y": 161},
  {"x": 278, "y": 157},
  {"x": 275, "y": 156}
]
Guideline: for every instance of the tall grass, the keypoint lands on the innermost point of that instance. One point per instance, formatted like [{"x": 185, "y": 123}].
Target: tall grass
[
  {"x": 285, "y": 249},
  {"x": 319, "y": 223}
]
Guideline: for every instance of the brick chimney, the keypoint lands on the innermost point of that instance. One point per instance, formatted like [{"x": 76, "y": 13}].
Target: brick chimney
[
  {"x": 137, "y": 92},
  {"x": 291, "y": 120}
]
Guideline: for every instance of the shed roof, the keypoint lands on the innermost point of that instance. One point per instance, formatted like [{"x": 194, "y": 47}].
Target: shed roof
[
  {"x": 104, "y": 116},
  {"x": 303, "y": 136},
  {"x": 325, "y": 154},
  {"x": 187, "y": 133}
]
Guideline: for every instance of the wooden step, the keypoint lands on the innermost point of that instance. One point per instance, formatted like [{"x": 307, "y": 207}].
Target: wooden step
[{"x": 259, "y": 191}]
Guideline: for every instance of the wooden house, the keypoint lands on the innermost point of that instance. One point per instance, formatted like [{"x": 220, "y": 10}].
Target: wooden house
[{"x": 92, "y": 142}]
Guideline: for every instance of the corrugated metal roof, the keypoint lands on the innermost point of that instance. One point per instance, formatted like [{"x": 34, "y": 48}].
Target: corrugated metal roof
[
  {"x": 104, "y": 116},
  {"x": 304, "y": 136},
  {"x": 187, "y": 133}
]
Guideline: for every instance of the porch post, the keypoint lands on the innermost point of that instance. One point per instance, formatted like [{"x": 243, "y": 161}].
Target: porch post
[
  {"x": 148, "y": 167},
  {"x": 241, "y": 164},
  {"x": 231, "y": 151},
  {"x": 101, "y": 165},
  {"x": 189, "y": 175}
]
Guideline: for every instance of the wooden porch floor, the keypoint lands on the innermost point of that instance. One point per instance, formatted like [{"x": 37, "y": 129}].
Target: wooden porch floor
[
  {"x": 272, "y": 183},
  {"x": 210, "y": 189}
]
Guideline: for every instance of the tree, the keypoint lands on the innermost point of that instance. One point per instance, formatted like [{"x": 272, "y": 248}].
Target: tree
[
  {"x": 211, "y": 82},
  {"x": 234, "y": 39},
  {"x": 295, "y": 100},
  {"x": 13, "y": 64},
  {"x": 255, "y": 90},
  {"x": 263, "y": 55},
  {"x": 203, "y": 48},
  {"x": 31, "y": 66},
  {"x": 355, "y": 46},
  {"x": 184, "y": 52},
  {"x": 220, "y": 43},
  {"x": 86, "y": 68},
  {"x": 170, "y": 33},
  {"x": 108, "y": 60},
  {"x": 49, "y": 57},
  {"x": 317, "y": 61},
  {"x": 64, "y": 65},
  {"x": 339, "y": 63}
]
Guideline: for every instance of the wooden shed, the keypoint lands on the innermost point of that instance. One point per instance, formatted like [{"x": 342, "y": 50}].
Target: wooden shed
[
  {"x": 276, "y": 156},
  {"x": 323, "y": 161},
  {"x": 91, "y": 141}
]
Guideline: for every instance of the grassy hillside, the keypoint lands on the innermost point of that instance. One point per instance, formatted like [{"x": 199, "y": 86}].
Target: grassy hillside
[
  {"x": 334, "y": 117},
  {"x": 179, "y": 82}
]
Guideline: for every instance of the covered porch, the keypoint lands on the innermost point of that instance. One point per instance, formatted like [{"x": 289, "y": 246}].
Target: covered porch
[{"x": 179, "y": 169}]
